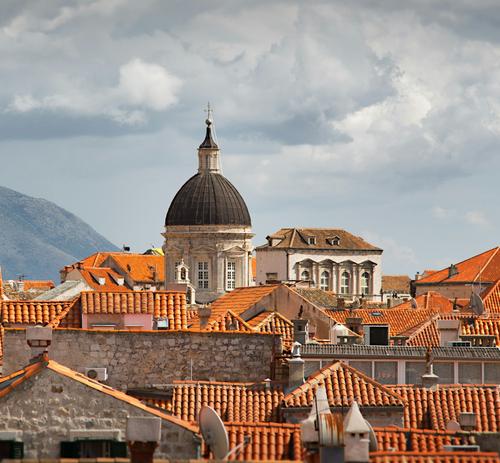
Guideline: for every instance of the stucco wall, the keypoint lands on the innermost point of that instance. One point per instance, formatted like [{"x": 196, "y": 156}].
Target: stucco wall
[
  {"x": 49, "y": 408},
  {"x": 141, "y": 359},
  {"x": 459, "y": 291}
]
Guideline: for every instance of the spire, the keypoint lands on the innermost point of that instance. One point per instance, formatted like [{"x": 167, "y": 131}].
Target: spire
[{"x": 208, "y": 151}]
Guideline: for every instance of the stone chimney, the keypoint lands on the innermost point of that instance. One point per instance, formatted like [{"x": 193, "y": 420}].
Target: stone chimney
[
  {"x": 295, "y": 368},
  {"x": 448, "y": 330},
  {"x": 301, "y": 331},
  {"x": 204, "y": 312},
  {"x": 39, "y": 339},
  {"x": 467, "y": 421},
  {"x": 143, "y": 435},
  {"x": 356, "y": 436}
]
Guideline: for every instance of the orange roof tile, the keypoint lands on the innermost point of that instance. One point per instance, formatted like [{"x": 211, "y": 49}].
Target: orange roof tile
[
  {"x": 10, "y": 382},
  {"x": 241, "y": 299},
  {"x": 343, "y": 385},
  {"x": 92, "y": 275},
  {"x": 429, "y": 409},
  {"x": 38, "y": 284},
  {"x": 434, "y": 457},
  {"x": 247, "y": 402},
  {"x": 417, "y": 440},
  {"x": 485, "y": 266},
  {"x": 398, "y": 283},
  {"x": 145, "y": 268},
  {"x": 35, "y": 312},
  {"x": 268, "y": 441},
  {"x": 160, "y": 304},
  {"x": 491, "y": 298},
  {"x": 273, "y": 322}
]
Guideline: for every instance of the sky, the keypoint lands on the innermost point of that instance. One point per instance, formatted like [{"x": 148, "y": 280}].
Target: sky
[{"x": 379, "y": 117}]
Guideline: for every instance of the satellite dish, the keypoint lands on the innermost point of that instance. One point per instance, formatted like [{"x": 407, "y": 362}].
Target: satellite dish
[
  {"x": 413, "y": 303},
  {"x": 214, "y": 432},
  {"x": 373, "y": 446},
  {"x": 476, "y": 304}
]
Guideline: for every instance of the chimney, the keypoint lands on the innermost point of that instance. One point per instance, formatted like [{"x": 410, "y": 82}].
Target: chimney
[
  {"x": 295, "y": 368},
  {"x": 301, "y": 331},
  {"x": 354, "y": 324},
  {"x": 39, "y": 339},
  {"x": 467, "y": 421},
  {"x": 204, "y": 312},
  {"x": 417, "y": 276},
  {"x": 448, "y": 331},
  {"x": 143, "y": 435},
  {"x": 356, "y": 436}
]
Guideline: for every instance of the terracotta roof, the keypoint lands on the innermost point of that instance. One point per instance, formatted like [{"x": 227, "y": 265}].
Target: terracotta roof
[
  {"x": 297, "y": 238},
  {"x": 269, "y": 441},
  {"x": 248, "y": 402},
  {"x": 434, "y": 457},
  {"x": 485, "y": 266},
  {"x": 227, "y": 321},
  {"x": 401, "y": 318},
  {"x": 38, "y": 284},
  {"x": 241, "y": 299},
  {"x": 343, "y": 385},
  {"x": 160, "y": 304},
  {"x": 491, "y": 298},
  {"x": 429, "y": 409},
  {"x": 7, "y": 384},
  {"x": 92, "y": 276},
  {"x": 38, "y": 312},
  {"x": 141, "y": 267},
  {"x": 273, "y": 322},
  {"x": 397, "y": 283},
  {"x": 417, "y": 440}
]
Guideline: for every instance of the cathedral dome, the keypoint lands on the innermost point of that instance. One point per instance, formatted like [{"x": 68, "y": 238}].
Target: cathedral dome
[{"x": 208, "y": 198}]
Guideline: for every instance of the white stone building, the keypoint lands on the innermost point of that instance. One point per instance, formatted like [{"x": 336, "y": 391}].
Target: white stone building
[
  {"x": 207, "y": 232},
  {"x": 330, "y": 259}
]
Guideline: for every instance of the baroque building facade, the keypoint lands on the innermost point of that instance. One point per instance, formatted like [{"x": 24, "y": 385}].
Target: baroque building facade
[
  {"x": 208, "y": 232},
  {"x": 329, "y": 259}
]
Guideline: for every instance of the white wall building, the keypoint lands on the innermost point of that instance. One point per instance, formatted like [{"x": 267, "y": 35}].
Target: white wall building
[{"x": 331, "y": 259}]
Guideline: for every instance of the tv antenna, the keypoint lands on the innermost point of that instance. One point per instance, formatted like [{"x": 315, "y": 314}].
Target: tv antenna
[{"x": 215, "y": 434}]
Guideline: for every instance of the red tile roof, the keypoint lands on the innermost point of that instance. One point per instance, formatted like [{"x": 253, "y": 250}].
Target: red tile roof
[
  {"x": 491, "y": 298},
  {"x": 429, "y": 409},
  {"x": 160, "y": 304},
  {"x": 343, "y": 385},
  {"x": 417, "y": 440},
  {"x": 248, "y": 402},
  {"x": 273, "y": 322},
  {"x": 397, "y": 283},
  {"x": 38, "y": 284},
  {"x": 484, "y": 266},
  {"x": 38, "y": 312},
  {"x": 92, "y": 276},
  {"x": 227, "y": 321},
  {"x": 434, "y": 457}
]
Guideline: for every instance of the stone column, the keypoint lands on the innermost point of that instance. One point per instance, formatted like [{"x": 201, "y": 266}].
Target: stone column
[{"x": 337, "y": 277}]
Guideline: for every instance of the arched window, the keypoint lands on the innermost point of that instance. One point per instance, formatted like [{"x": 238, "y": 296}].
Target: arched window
[
  {"x": 324, "y": 282},
  {"x": 345, "y": 283},
  {"x": 365, "y": 283},
  {"x": 304, "y": 276},
  {"x": 183, "y": 273}
]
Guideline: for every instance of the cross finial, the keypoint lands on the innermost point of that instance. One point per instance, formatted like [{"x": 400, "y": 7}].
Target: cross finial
[{"x": 209, "y": 112}]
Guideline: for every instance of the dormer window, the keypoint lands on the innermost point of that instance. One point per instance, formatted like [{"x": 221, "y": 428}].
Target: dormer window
[
  {"x": 335, "y": 241},
  {"x": 311, "y": 240}
]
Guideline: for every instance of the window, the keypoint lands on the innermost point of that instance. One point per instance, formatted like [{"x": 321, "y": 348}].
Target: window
[
  {"x": 311, "y": 240},
  {"x": 377, "y": 335},
  {"x": 445, "y": 371},
  {"x": 469, "y": 373},
  {"x": 93, "y": 448},
  {"x": 183, "y": 273},
  {"x": 414, "y": 372},
  {"x": 345, "y": 282},
  {"x": 304, "y": 276},
  {"x": 231, "y": 275},
  {"x": 325, "y": 281},
  {"x": 335, "y": 241},
  {"x": 386, "y": 372},
  {"x": 271, "y": 276},
  {"x": 11, "y": 450},
  {"x": 364, "y": 367},
  {"x": 203, "y": 275},
  {"x": 491, "y": 373},
  {"x": 365, "y": 283}
]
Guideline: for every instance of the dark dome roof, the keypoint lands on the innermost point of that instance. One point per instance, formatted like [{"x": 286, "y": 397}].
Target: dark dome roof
[{"x": 208, "y": 199}]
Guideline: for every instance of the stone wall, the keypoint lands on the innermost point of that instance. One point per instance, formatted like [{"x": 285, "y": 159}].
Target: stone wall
[
  {"x": 146, "y": 359},
  {"x": 49, "y": 408}
]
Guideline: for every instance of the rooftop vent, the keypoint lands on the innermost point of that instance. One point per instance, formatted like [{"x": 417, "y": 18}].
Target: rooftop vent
[{"x": 452, "y": 270}]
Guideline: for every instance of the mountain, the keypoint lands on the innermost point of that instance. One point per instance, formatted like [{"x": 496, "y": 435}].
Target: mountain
[{"x": 38, "y": 238}]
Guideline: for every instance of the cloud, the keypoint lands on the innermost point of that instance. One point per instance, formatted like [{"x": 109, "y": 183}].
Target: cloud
[
  {"x": 477, "y": 218},
  {"x": 142, "y": 87}
]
